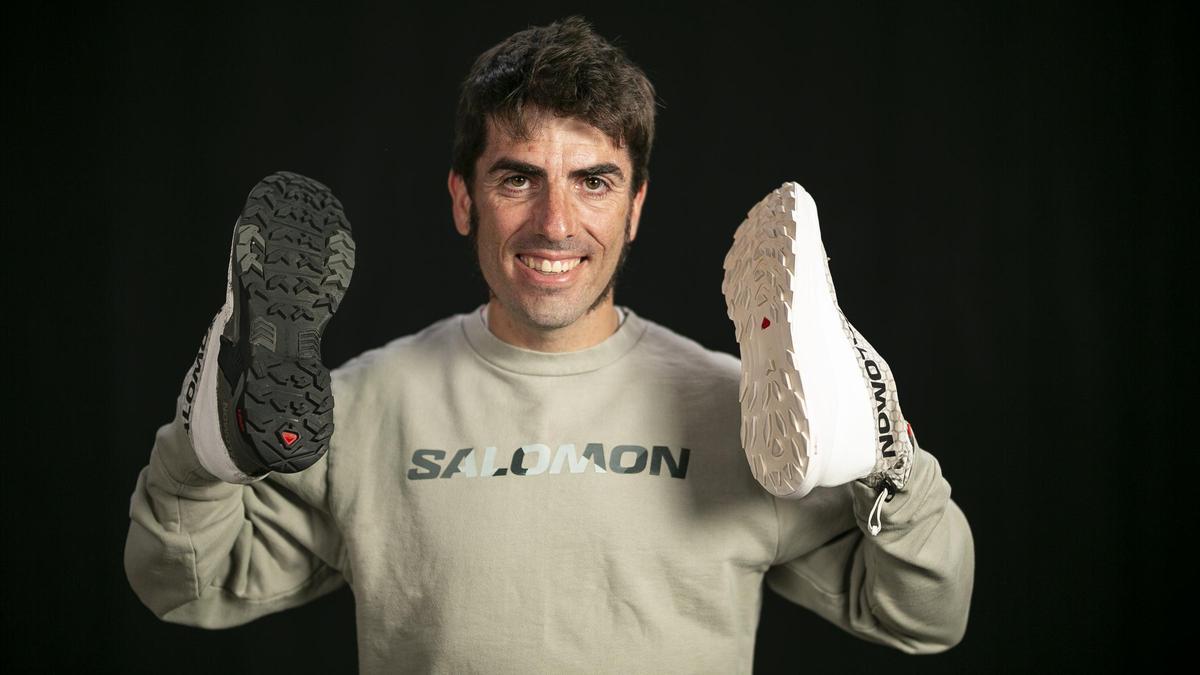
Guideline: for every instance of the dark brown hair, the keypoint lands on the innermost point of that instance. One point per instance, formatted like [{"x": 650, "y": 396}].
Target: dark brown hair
[{"x": 565, "y": 69}]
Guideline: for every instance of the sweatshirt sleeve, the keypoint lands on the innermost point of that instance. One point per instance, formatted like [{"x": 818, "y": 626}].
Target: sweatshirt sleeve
[
  {"x": 206, "y": 553},
  {"x": 909, "y": 587}
]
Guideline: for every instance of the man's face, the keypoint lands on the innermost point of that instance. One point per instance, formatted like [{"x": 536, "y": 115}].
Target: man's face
[{"x": 561, "y": 200}]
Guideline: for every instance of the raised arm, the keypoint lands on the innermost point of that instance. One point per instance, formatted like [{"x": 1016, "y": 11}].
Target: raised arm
[
  {"x": 207, "y": 553},
  {"x": 909, "y": 587}
]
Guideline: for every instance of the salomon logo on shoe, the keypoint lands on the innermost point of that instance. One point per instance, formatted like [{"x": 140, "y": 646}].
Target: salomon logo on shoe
[
  {"x": 189, "y": 396},
  {"x": 879, "y": 385}
]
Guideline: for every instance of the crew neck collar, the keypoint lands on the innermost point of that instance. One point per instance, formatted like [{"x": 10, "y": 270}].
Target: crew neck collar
[{"x": 530, "y": 362}]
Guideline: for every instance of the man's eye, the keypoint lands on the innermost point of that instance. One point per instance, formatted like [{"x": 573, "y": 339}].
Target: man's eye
[
  {"x": 594, "y": 183},
  {"x": 512, "y": 181}
]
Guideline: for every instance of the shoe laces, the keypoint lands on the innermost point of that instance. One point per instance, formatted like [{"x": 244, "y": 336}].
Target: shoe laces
[{"x": 875, "y": 518}]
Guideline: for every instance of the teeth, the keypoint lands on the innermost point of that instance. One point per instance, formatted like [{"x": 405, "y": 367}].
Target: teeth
[{"x": 550, "y": 267}]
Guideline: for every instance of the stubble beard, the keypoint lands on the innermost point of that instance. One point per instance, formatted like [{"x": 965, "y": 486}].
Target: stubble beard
[{"x": 473, "y": 241}]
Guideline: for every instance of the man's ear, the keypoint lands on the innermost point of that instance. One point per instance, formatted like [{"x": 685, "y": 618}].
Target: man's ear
[
  {"x": 636, "y": 209},
  {"x": 460, "y": 202}
]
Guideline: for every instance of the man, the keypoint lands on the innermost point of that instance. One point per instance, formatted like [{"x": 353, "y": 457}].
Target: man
[{"x": 548, "y": 482}]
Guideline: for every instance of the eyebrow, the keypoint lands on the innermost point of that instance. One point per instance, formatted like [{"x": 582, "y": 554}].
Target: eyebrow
[{"x": 508, "y": 164}]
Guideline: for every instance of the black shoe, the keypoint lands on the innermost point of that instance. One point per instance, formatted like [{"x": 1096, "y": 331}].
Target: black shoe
[{"x": 292, "y": 258}]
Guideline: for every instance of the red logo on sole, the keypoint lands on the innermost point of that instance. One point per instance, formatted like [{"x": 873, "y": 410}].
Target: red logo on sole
[
  {"x": 289, "y": 437},
  {"x": 766, "y": 322}
]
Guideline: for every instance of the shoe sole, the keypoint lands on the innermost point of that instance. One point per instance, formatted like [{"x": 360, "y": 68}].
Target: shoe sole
[
  {"x": 293, "y": 260},
  {"x": 777, "y": 271}
]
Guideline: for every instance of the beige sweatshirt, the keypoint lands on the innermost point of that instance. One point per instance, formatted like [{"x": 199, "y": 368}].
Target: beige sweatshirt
[{"x": 501, "y": 510}]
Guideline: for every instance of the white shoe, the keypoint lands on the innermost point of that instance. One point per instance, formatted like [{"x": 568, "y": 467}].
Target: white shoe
[{"x": 819, "y": 407}]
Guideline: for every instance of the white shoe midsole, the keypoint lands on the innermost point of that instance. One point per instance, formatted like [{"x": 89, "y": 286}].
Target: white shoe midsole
[{"x": 839, "y": 403}]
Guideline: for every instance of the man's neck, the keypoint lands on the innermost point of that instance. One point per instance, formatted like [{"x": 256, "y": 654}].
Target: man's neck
[{"x": 589, "y": 330}]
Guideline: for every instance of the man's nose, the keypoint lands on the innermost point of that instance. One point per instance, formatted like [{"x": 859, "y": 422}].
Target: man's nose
[{"x": 555, "y": 219}]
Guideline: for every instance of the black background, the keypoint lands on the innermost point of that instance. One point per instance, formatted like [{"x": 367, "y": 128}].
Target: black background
[{"x": 1003, "y": 191}]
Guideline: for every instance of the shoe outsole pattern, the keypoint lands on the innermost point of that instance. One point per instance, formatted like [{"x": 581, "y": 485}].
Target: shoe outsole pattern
[
  {"x": 758, "y": 293},
  {"x": 294, "y": 257},
  {"x": 760, "y": 298}
]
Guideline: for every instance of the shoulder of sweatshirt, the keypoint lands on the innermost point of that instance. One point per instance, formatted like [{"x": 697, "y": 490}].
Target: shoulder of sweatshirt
[
  {"x": 423, "y": 347},
  {"x": 666, "y": 349}
]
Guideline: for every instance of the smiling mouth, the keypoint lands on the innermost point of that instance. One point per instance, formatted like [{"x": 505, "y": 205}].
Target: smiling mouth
[{"x": 550, "y": 267}]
